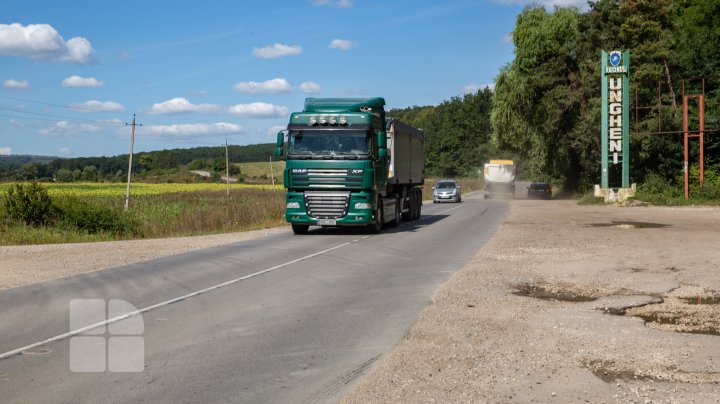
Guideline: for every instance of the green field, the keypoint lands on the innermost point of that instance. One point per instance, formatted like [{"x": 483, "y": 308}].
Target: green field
[
  {"x": 114, "y": 189},
  {"x": 95, "y": 211},
  {"x": 260, "y": 171}
]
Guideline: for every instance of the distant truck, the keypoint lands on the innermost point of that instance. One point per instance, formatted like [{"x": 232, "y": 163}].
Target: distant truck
[
  {"x": 347, "y": 165},
  {"x": 500, "y": 179}
]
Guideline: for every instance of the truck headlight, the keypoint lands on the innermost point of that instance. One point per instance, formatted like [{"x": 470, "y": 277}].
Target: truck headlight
[
  {"x": 293, "y": 205},
  {"x": 362, "y": 205}
]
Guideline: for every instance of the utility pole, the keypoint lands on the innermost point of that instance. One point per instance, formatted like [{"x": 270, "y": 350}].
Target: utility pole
[
  {"x": 132, "y": 142},
  {"x": 272, "y": 176},
  {"x": 227, "y": 168}
]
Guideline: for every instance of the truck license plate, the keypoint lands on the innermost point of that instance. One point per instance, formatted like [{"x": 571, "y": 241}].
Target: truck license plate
[{"x": 326, "y": 222}]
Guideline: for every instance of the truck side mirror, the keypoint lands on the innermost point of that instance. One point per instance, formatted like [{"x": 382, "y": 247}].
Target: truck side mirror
[
  {"x": 382, "y": 144},
  {"x": 279, "y": 144}
]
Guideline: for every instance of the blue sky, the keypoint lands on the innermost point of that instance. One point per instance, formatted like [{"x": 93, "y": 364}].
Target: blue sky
[{"x": 195, "y": 73}]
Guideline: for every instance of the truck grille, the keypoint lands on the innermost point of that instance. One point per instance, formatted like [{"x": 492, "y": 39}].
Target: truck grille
[
  {"x": 318, "y": 177},
  {"x": 327, "y": 205}
]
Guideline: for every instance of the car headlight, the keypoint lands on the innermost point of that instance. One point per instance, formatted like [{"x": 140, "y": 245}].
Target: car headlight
[
  {"x": 293, "y": 205},
  {"x": 362, "y": 205}
]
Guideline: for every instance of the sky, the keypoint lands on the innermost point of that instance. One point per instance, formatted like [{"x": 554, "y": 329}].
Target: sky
[{"x": 73, "y": 73}]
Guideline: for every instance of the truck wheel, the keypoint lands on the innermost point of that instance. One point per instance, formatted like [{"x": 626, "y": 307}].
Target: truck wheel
[
  {"x": 408, "y": 216},
  {"x": 418, "y": 204},
  {"x": 376, "y": 225},
  {"x": 300, "y": 228},
  {"x": 396, "y": 221}
]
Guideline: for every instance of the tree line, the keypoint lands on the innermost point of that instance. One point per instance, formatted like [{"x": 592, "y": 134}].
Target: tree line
[{"x": 24, "y": 168}]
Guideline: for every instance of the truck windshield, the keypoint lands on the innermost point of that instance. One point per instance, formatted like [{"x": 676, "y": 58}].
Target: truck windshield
[{"x": 323, "y": 143}]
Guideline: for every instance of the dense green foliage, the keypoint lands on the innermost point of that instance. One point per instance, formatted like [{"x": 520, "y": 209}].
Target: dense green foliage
[
  {"x": 28, "y": 203},
  {"x": 546, "y": 106},
  {"x": 457, "y": 133}
]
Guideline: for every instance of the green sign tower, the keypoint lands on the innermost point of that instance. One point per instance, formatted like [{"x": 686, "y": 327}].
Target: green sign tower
[{"x": 615, "y": 136}]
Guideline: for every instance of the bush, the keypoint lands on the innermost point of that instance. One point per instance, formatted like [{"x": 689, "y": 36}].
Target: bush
[
  {"x": 84, "y": 216},
  {"x": 28, "y": 203}
]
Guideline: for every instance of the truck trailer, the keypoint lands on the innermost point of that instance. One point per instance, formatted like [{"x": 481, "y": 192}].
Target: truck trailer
[
  {"x": 499, "y": 179},
  {"x": 349, "y": 165}
]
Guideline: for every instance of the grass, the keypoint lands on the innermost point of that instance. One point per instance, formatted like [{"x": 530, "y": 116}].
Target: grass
[
  {"x": 156, "y": 210},
  {"x": 259, "y": 172}
]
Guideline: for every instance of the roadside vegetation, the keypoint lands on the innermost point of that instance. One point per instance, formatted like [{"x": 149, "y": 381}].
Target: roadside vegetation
[{"x": 37, "y": 214}]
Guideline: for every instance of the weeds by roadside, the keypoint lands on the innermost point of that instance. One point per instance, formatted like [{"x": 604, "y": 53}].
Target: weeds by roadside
[{"x": 68, "y": 218}]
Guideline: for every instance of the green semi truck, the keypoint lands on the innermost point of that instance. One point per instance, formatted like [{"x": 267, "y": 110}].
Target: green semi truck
[{"x": 349, "y": 165}]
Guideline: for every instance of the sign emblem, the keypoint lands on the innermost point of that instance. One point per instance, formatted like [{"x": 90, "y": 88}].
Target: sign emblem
[{"x": 615, "y": 58}]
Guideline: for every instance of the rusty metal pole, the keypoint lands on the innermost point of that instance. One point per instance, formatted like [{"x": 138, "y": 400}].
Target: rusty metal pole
[
  {"x": 702, "y": 140},
  {"x": 685, "y": 145}
]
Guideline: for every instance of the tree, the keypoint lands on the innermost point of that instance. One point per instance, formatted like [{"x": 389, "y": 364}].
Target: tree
[
  {"x": 89, "y": 173},
  {"x": 536, "y": 107},
  {"x": 64, "y": 175}
]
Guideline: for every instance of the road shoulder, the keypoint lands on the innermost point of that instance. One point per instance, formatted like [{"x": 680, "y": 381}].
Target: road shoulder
[
  {"x": 519, "y": 323},
  {"x": 28, "y": 264}
]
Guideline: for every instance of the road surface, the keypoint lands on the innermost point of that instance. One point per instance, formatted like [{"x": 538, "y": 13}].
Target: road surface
[{"x": 279, "y": 319}]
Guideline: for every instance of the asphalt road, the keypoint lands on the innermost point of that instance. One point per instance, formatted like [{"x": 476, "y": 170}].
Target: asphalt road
[{"x": 280, "y": 319}]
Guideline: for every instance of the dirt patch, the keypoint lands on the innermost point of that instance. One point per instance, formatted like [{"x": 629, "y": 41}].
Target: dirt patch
[
  {"x": 685, "y": 309},
  {"x": 561, "y": 293}
]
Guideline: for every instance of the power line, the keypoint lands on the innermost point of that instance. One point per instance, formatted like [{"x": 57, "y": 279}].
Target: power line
[{"x": 54, "y": 116}]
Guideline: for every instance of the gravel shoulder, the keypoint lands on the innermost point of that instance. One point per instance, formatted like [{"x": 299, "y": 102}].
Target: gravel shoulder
[
  {"x": 27, "y": 264},
  {"x": 519, "y": 323}
]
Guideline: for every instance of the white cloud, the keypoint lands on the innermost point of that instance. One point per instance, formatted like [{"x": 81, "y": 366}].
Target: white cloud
[
  {"x": 97, "y": 106},
  {"x": 192, "y": 129},
  {"x": 65, "y": 128},
  {"x": 259, "y": 110},
  {"x": 16, "y": 124},
  {"x": 277, "y": 50},
  {"x": 77, "y": 81},
  {"x": 474, "y": 88},
  {"x": 277, "y": 85},
  {"x": 507, "y": 38},
  {"x": 5, "y": 151},
  {"x": 65, "y": 151},
  {"x": 16, "y": 84},
  {"x": 341, "y": 44},
  {"x": 179, "y": 105},
  {"x": 310, "y": 87},
  {"x": 43, "y": 42},
  {"x": 333, "y": 3}
]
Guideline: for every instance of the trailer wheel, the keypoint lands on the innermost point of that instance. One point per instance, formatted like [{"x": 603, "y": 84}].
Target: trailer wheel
[
  {"x": 408, "y": 216},
  {"x": 418, "y": 204}
]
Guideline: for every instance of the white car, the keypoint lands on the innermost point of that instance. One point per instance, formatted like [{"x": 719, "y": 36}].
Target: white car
[{"x": 446, "y": 191}]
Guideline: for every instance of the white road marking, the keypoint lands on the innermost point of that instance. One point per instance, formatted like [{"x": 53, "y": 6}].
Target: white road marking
[{"x": 171, "y": 301}]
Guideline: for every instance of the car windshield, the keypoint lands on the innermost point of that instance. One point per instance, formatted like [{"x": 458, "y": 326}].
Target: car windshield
[
  {"x": 540, "y": 186},
  {"x": 329, "y": 142},
  {"x": 445, "y": 185}
]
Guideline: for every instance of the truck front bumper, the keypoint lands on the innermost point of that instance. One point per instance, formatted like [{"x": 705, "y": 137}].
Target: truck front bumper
[{"x": 359, "y": 211}]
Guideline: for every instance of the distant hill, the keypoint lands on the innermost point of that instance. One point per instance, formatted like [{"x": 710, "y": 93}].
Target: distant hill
[
  {"x": 168, "y": 158},
  {"x": 23, "y": 167},
  {"x": 17, "y": 161}
]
